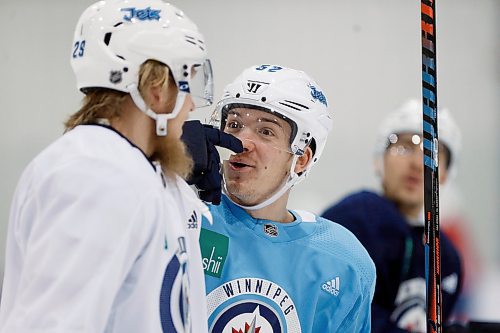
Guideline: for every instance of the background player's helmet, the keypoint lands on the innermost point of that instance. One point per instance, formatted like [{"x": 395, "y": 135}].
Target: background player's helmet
[
  {"x": 114, "y": 38},
  {"x": 288, "y": 94},
  {"x": 408, "y": 119}
]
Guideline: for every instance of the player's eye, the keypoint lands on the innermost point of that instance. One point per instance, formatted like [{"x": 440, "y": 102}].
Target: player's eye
[
  {"x": 267, "y": 132},
  {"x": 233, "y": 125}
]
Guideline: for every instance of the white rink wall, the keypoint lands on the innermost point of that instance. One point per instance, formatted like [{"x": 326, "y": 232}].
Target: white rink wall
[{"x": 365, "y": 55}]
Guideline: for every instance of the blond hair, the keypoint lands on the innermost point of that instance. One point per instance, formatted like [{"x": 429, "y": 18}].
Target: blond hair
[{"x": 100, "y": 103}]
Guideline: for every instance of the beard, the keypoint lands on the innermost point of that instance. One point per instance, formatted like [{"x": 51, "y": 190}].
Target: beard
[{"x": 173, "y": 156}]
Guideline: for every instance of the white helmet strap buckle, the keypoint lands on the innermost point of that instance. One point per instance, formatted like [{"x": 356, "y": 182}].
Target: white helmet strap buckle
[{"x": 161, "y": 124}]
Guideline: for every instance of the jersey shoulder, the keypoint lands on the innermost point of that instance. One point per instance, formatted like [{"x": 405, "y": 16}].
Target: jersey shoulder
[
  {"x": 367, "y": 211},
  {"x": 96, "y": 169},
  {"x": 344, "y": 246},
  {"x": 97, "y": 153}
]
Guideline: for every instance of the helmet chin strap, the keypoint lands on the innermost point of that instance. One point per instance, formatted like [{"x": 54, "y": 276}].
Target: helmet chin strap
[
  {"x": 293, "y": 179},
  {"x": 160, "y": 119}
]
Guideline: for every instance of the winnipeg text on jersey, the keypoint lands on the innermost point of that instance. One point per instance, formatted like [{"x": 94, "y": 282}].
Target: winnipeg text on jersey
[{"x": 251, "y": 305}]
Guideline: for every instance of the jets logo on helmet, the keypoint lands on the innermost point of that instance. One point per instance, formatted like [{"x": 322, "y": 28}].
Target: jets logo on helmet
[
  {"x": 141, "y": 14},
  {"x": 184, "y": 86},
  {"x": 318, "y": 95}
]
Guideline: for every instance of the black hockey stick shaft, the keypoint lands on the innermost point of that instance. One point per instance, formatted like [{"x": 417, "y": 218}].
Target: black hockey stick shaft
[{"x": 431, "y": 170}]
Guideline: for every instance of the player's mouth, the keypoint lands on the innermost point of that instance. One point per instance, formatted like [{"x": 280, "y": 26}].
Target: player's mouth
[
  {"x": 413, "y": 181},
  {"x": 240, "y": 165}
]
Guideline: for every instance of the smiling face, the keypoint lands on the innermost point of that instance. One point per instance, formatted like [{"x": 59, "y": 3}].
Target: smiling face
[
  {"x": 403, "y": 175},
  {"x": 264, "y": 166}
]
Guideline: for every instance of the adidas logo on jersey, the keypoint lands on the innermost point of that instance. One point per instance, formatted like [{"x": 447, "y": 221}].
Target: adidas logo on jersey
[
  {"x": 193, "y": 221},
  {"x": 332, "y": 286}
]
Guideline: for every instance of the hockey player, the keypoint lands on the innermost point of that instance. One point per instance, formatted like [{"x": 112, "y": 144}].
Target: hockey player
[
  {"x": 267, "y": 268},
  {"x": 98, "y": 236},
  {"x": 390, "y": 225}
]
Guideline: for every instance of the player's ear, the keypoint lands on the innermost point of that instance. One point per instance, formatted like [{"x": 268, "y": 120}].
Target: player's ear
[
  {"x": 155, "y": 96},
  {"x": 304, "y": 160}
]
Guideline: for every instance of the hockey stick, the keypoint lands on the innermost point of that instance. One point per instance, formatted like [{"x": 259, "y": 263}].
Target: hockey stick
[{"x": 431, "y": 170}]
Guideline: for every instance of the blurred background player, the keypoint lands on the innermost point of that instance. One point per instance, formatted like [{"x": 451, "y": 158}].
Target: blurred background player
[
  {"x": 98, "y": 238},
  {"x": 267, "y": 268},
  {"x": 391, "y": 224}
]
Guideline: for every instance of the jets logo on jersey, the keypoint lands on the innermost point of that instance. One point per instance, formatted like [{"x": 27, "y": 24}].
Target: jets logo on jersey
[
  {"x": 251, "y": 305},
  {"x": 174, "y": 292},
  {"x": 410, "y": 304},
  {"x": 248, "y": 328},
  {"x": 332, "y": 286}
]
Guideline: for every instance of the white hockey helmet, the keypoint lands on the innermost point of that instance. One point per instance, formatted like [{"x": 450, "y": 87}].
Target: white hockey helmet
[
  {"x": 287, "y": 93},
  {"x": 290, "y": 95},
  {"x": 114, "y": 38},
  {"x": 408, "y": 119}
]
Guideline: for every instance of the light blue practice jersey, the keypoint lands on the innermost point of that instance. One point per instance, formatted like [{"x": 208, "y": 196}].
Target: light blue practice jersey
[{"x": 308, "y": 276}]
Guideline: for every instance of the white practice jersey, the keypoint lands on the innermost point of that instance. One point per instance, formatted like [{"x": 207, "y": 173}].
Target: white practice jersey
[{"x": 100, "y": 241}]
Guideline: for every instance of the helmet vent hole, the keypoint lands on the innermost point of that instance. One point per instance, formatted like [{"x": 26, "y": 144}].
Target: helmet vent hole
[
  {"x": 117, "y": 24},
  {"x": 107, "y": 38},
  {"x": 119, "y": 56},
  {"x": 263, "y": 99},
  {"x": 237, "y": 95},
  {"x": 125, "y": 69}
]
